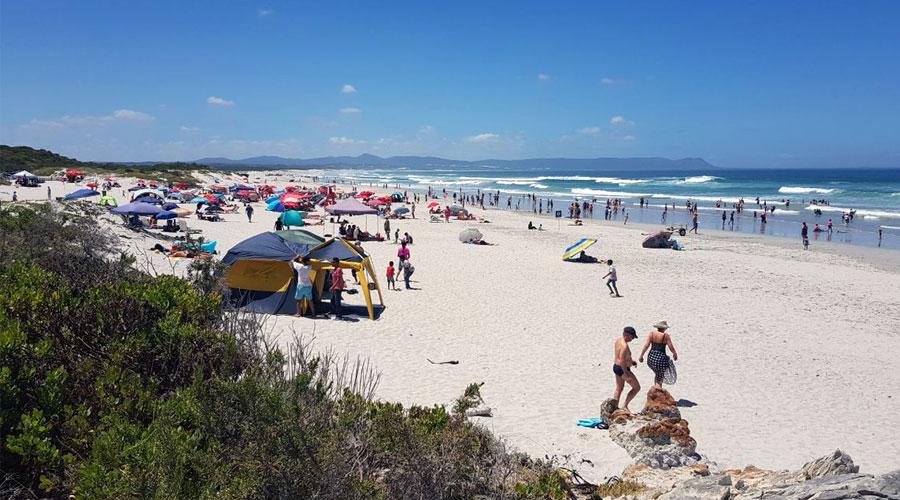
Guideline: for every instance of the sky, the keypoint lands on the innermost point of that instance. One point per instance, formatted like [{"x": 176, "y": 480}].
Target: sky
[{"x": 738, "y": 83}]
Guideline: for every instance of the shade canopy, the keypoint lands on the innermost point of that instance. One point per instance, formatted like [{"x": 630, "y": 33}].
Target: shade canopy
[
  {"x": 292, "y": 218},
  {"x": 137, "y": 209},
  {"x": 578, "y": 247},
  {"x": 81, "y": 193},
  {"x": 166, "y": 214},
  {"x": 169, "y": 206},
  {"x": 350, "y": 206},
  {"x": 149, "y": 192},
  {"x": 274, "y": 245},
  {"x": 23, "y": 173}
]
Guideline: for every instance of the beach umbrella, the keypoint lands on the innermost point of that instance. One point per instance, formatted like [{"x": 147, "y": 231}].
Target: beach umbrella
[
  {"x": 169, "y": 206},
  {"x": 401, "y": 210},
  {"x": 81, "y": 193},
  {"x": 292, "y": 218},
  {"x": 433, "y": 204},
  {"x": 272, "y": 198},
  {"x": 372, "y": 203},
  {"x": 469, "y": 234},
  {"x": 166, "y": 214},
  {"x": 148, "y": 192},
  {"x": 578, "y": 247},
  {"x": 148, "y": 199},
  {"x": 456, "y": 209},
  {"x": 275, "y": 206},
  {"x": 658, "y": 240},
  {"x": 92, "y": 185},
  {"x": 350, "y": 206},
  {"x": 137, "y": 209},
  {"x": 199, "y": 199},
  {"x": 364, "y": 194}
]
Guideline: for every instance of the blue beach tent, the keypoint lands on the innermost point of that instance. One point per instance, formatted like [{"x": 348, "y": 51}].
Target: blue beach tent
[{"x": 81, "y": 193}]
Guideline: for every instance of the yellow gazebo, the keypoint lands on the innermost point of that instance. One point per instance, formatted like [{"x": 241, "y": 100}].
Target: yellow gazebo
[{"x": 351, "y": 257}]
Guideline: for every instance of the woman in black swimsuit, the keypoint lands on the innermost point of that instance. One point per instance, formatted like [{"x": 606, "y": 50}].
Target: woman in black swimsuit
[{"x": 658, "y": 361}]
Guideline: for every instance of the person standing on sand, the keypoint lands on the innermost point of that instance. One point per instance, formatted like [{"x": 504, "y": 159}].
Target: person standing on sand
[
  {"x": 413, "y": 210},
  {"x": 392, "y": 284},
  {"x": 337, "y": 287},
  {"x": 658, "y": 360},
  {"x": 696, "y": 222},
  {"x": 611, "y": 282},
  {"x": 303, "y": 294},
  {"x": 387, "y": 228},
  {"x": 48, "y": 192},
  {"x": 622, "y": 365},
  {"x": 249, "y": 211}
]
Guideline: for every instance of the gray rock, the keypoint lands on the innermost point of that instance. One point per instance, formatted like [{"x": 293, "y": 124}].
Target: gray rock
[
  {"x": 707, "y": 488},
  {"x": 829, "y": 465}
]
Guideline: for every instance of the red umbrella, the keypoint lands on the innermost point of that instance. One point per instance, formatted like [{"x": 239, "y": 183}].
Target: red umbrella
[
  {"x": 211, "y": 198},
  {"x": 364, "y": 194},
  {"x": 433, "y": 204},
  {"x": 373, "y": 203},
  {"x": 91, "y": 185}
]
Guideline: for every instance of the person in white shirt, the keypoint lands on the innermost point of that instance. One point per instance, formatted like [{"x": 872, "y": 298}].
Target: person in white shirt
[
  {"x": 304, "y": 293},
  {"x": 611, "y": 282}
]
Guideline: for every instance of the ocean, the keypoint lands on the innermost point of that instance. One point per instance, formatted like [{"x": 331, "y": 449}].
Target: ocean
[{"x": 873, "y": 194}]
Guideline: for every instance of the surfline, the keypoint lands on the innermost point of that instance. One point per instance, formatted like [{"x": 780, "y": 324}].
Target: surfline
[{"x": 804, "y": 190}]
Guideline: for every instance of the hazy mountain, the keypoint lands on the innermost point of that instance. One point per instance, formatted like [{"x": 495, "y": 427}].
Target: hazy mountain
[{"x": 425, "y": 162}]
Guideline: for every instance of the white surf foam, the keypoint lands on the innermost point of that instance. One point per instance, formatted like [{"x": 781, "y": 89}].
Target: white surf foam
[
  {"x": 699, "y": 179},
  {"x": 860, "y": 212},
  {"x": 803, "y": 190}
]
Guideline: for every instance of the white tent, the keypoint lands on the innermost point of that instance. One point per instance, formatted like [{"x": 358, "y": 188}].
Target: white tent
[{"x": 24, "y": 173}]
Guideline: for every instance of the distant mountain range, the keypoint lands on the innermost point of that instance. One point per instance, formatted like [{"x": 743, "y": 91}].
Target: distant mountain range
[{"x": 427, "y": 162}]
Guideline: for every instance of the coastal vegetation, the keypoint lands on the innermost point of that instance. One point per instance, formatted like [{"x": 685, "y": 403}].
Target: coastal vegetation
[
  {"x": 119, "y": 384},
  {"x": 43, "y": 162}
]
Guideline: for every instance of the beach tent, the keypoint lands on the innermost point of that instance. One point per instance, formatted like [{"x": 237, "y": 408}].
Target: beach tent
[
  {"x": 108, "y": 201},
  {"x": 169, "y": 206},
  {"x": 149, "y": 192},
  {"x": 397, "y": 196},
  {"x": 469, "y": 235},
  {"x": 457, "y": 209},
  {"x": 401, "y": 211},
  {"x": 350, "y": 206},
  {"x": 152, "y": 200},
  {"x": 658, "y": 240},
  {"x": 23, "y": 173},
  {"x": 579, "y": 246},
  {"x": 292, "y": 218},
  {"x": 275, "y": 206},
  {"x": 261, "y": 277},
  {"x": 351, "y": 257},
  {"x": 81, "y": 193},
  {"x": 137, "y": 209}
]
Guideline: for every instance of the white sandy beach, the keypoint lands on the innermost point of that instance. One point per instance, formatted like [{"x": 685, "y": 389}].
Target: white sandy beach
[{"x": 787, "y": 354}]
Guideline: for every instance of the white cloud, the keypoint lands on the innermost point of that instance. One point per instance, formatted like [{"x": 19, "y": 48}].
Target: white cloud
[
  {"x": 218, "y": 101},
  {"x": 189, "y": 129},
  {"x": 345, "y": 141},
  {"x": 589, "y": 131},
  {"x": 348, "y": 89},
  {"x": 264, "y": 12},
  {"x": 130, "y": 115},
  {"x": 612, "y": 81},
  {"x": 484, "y": 138},
  {"x": 620, "y": 121},
  {"x": 543, "y": 77},
  {"x": 119, "y": 115},
  {"x": 349, "y": 111}
]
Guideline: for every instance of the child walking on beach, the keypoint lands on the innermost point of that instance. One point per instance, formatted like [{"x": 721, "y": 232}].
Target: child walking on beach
[
  {"x": 392, "y": 285},
  {"x": 611, "y": 282}
]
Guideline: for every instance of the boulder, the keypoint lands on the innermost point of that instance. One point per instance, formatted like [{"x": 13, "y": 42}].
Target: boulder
[
  {"x": 829, "y": 465},
  {"x": 658, "y": 436}
]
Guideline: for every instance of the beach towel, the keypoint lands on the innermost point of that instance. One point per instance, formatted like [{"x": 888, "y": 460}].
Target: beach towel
[{"x": 593, "y": 423}]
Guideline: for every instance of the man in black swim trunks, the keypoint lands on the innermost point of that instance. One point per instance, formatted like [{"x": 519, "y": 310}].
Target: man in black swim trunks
[{"x": 622, "y": 367}]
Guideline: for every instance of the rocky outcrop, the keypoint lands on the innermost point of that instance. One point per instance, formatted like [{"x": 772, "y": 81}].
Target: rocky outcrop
[
  {"x": 831, "y": 477},
  {"x": 657, "y": 436},
  {"x": 668, "y": 466}
]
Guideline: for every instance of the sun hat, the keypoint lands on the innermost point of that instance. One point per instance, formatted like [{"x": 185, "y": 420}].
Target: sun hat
[
  {"x": 662, "y": 325},
  {"x": 630, "y": 331}
]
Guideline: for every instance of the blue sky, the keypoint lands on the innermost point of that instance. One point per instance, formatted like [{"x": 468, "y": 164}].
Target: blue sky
[{"x": 741, "y": 84}]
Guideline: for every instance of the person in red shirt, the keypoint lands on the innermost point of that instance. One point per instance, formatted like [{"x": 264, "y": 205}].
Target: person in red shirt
[
  {"x": 392, "y": 284},
  {"x": 337, "y": 287}
]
